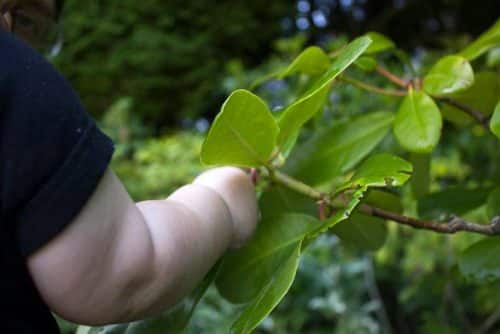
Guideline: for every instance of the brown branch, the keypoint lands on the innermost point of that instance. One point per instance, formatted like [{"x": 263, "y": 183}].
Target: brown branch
[
  {"x": 457, "y": 224},
  {"x": 392, "y": 77},
  {"x": 472, "y": 112},
  {"x": 371, "y": 88}
]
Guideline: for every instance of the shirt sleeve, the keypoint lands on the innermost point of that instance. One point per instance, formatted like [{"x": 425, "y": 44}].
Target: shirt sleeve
[{"x": 53, "y": 155}]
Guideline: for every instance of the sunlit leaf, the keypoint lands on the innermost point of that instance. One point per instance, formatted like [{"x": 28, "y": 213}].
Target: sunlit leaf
[
  {"x": 480, "y": 261},
  {"x": 338, "y": 148},
  {"x": 297, "y": 114},
  {"x": 312, "y": 61},
  {"x": 246, "y": 272},
  {"x": 271, "y": 294},
  {"x": 490, "y": 38},
  {"x": 450, "y": 74},
  {"x": 243, "y": 134},
  {"x": 379, "y": 43},
  {"x": 495, "y": 121},
  {"x": 418, "y": 123}
]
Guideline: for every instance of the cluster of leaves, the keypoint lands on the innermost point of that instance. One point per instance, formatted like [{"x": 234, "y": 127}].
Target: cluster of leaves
[{"x": 338, "y": 161}]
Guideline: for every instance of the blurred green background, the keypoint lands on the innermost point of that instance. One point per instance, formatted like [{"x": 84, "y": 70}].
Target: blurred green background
[{"x": 154, "y": 73}]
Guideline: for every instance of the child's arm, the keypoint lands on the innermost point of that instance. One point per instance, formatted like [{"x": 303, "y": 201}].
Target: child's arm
[{"x": 120, "y": 261}]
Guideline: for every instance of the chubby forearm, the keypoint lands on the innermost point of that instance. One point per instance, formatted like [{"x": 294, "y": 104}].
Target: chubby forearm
[{"x": 120, "y": 261}]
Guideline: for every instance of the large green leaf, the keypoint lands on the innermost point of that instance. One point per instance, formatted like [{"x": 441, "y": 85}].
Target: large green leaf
[
  {"x": 243, "y": 134},
  {"x": 379, "y": 43},
  {"x": 362, "y": 232},
  {"x": 382, "y": 170},
  {"x": 279, "y": 199},
  {"x": 304, "y": 108},
  {"x": 495, "y": 121},
  {"x": 482, "y": 95},
  {"x": 451, "y": 74},
  {"x": 489, "y": 39},
  {"x": 418, "y": 123},
  {"x": 270, "y": 295},
  {"x": 480, "y": 261},
  {"x": 312, "y": 61},
  {"x": 246, "y": 272},
  {"x": 456, "y": 201},
  {"x": 337, "y": 149},
  {"x": 366, "y": 63},
  {"x": 493, "y": 58},
  {"x": 493, "y": 204}
]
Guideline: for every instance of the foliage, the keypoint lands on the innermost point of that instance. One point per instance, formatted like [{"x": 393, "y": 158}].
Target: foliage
[
  {"x": 338, "y": 170},
  {"x": 168, "y": 55}
]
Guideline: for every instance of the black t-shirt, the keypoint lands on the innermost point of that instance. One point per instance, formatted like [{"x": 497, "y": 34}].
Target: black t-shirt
[{"x": 52, "y": 157}]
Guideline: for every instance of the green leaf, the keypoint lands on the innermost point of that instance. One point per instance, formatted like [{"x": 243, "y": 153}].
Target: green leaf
[
  {"x": 421, "y": 178},
  {"x": 312, "y": 61},
  {"x": 418, "y": 123},
  {"x": 245, "y": 272},
  {"x": 243, "y": 134},
  {"x": 493, "y": 204},
  {"x": 362, "y": 232},
  {"x": 270, "y": 295},
  {"x": 379, "y": 43},
  {"x": 339, "y": 148},
  {"x": 493, "y": 58},
  {"x": 450, "y": 74},
  {"x": 279, "y": 200},
  {"x": 384, "y": 199},
  {"x": 297, "y": 114},
  {"x": 480, "y": 261},
  {"x": 382, "y": 170},
  {"x": 482, "y": 95},
  {"x": 454, "y": 201},
  {"x": 366, "y": 63},
  {"x": 490, "y": 38},
  {"x": 495, "y": 121}
]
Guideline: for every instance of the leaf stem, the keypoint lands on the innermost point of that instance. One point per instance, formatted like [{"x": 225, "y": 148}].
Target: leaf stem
[
  {"x": 457, "y": 224},
  {"x": 372, "y": 88}
]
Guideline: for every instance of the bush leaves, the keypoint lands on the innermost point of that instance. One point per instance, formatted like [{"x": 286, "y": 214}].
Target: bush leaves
[
  {"x": 480, "y": 262},
  {"x": 312, "y": 61},
  {"x": 490, "y": 38},
  {"x": 451, "y": 74},
  {"x": 418, "y": 123},
  {"x": 243, "y": 134}
]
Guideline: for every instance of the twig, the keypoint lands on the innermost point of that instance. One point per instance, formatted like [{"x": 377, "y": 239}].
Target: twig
[
  {"x": 457, "y": 224},
  {"x": 474, "y": 113},
  {"x": 372, "y": 88},
  {"x": 392, "y": 77}
]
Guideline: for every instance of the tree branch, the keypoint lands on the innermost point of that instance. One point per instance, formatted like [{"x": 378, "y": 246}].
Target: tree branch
[
  {"x": 371, "y": 88},
  {"x": 474, "y": 113},
  {"x": 457, "y": 224},
  {"x": 392, "y": 77}
]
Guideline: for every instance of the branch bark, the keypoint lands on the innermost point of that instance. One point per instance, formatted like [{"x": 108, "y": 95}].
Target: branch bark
[
  {"x": 457, "y": 224},
  {"x": 477, "y": 115},
  {"x": 371, "y": 88}
]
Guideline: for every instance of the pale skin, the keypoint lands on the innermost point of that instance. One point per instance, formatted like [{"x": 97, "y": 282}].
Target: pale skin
[{"x": 119, "y": 261}]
